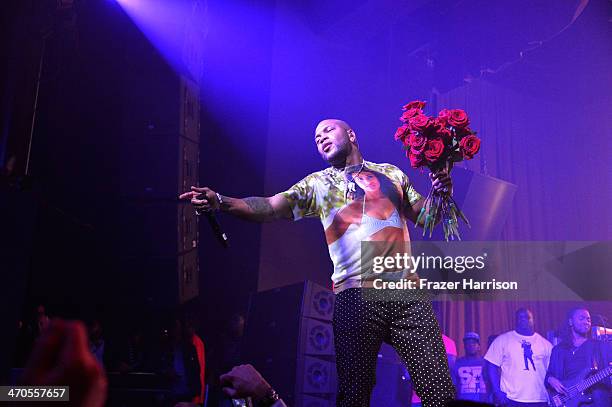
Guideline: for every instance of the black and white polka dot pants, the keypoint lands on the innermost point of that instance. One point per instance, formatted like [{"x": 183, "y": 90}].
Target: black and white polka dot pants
[{"x": 410, "y": 326}]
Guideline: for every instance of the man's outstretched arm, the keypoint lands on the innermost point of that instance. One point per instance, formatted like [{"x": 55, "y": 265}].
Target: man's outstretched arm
[{"x": 255, "y": 208}]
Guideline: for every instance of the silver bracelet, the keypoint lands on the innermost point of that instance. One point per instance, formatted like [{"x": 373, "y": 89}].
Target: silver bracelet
[{"x": 219, "y": 199}]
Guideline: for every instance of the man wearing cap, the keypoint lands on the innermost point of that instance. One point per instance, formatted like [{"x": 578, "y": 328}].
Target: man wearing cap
[{"x": 469, "y": 371}]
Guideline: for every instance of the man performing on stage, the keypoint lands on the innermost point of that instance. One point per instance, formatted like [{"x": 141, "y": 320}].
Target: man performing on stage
[
  {"x": 357, "y": 201},
  {"x": 575, "y": 356}
]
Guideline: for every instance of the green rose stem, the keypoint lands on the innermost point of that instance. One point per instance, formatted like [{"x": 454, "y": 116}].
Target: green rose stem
[{"x": 442, "y": 207}]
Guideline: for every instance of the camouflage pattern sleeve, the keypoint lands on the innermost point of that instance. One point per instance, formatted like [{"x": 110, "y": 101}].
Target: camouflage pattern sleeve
[
  {"x": 302, "y": 198},
  {"x": 410, "y": 194}
]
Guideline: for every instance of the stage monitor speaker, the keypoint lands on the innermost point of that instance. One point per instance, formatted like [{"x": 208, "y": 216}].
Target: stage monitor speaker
[
  {"x": 291, "y": 320},
  {"x": 392, "y": 382},
  {"x": 486, "y": 202},
  {"x": 318, "y": 302},
  {"x": 306, "y": 299},
  {"x": 289, "y": 339},
  {"x": 316, "y": 337},
  {"x": 294, "y": 377},
  {"x": 317, "y": 376}
]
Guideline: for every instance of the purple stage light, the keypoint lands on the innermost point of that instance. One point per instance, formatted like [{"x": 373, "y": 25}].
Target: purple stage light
[{"x": 176, "y": 28}]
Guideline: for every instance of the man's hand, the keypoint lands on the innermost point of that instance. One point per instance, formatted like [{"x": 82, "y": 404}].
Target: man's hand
[
  {"x": 244, "y": 381},
  {"x": 442, "y": 182},
  {"x": 253, "y": 208},
  {"x": 557, "y": 385},
  {"x": 61, "y": 357},
  {"x": 203, "y": 199}
]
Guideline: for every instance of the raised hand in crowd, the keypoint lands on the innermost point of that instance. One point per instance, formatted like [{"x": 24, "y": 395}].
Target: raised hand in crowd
[
  {"x": 245, "y": 381},
  {"x": 61, "y": 357}
]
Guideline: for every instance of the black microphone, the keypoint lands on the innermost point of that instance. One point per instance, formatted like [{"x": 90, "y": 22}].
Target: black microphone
[{"x": 216, "y": 228}]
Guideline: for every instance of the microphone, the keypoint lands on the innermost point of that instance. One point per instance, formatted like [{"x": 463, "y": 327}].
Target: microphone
[
  {"x": 214, "y": 223},
  {"x": 216, "y": 228}
]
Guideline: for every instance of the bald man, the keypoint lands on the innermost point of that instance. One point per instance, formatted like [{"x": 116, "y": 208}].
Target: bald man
[{"x": 358, "y": 201}]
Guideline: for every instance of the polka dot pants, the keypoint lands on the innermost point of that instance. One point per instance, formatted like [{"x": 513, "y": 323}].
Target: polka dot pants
[{"x": 410, "y": 326}]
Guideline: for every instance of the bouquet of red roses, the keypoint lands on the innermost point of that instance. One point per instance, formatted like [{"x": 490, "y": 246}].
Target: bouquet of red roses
[{"x": 437, "y": 143}]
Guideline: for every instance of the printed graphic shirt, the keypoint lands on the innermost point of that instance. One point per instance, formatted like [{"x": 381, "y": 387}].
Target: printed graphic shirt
[
  {"x": 523, "y": 361},
  {"x": 361, "y": 203},
  {"x": 469, "y": 378}
]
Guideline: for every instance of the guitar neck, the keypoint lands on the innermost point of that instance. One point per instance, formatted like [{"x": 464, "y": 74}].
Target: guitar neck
[{"x": 594, "y": 379}]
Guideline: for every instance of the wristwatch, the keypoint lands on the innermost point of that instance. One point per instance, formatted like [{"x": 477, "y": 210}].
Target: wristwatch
[
  {"x": 199, "y": 212},
  {"x": 269, "y": 399}
]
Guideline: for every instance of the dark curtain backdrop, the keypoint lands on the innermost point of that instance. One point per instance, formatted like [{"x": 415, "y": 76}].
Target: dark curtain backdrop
[
  {"x": 553, "y": 150},
  {"x": 559, "y": 162}
]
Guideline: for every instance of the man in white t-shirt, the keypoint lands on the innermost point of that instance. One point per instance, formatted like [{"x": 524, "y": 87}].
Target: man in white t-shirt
[{"x": 517, "y": 366}]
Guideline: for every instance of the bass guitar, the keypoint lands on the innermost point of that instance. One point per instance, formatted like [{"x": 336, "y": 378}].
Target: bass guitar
[{"x": 576, "y": 388}]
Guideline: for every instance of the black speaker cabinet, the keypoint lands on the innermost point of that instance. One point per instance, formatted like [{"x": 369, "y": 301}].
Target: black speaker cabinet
[
  {"x": 392, "y": 389},
  {"x": 289, "y": 339}
]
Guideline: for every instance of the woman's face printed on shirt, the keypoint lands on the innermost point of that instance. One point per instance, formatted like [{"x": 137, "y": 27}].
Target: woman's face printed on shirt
[{"x": 367, "y": 181}]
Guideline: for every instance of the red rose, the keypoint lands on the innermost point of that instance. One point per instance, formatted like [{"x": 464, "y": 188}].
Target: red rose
[
  {"x": 415, "y": 104},
  {"x": 463, "y": 132},
  {"x": 444, "y": 133},
  {"x": 443, "y": 116},
  {"x": 435, "y": 148},
  {"x": 417, "y": 142},
  {"x": 419, "y": 122},
  {"x": 439, "y": 124},
  {"x": 416, "y": 160},
  {"x": 409, "y": 114},
  {"x": 458, "y": 118},
  {"x": 432, "y": 126},
  {"x": 402, "y": 133},
  {"x": 469, "y": 146}
]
